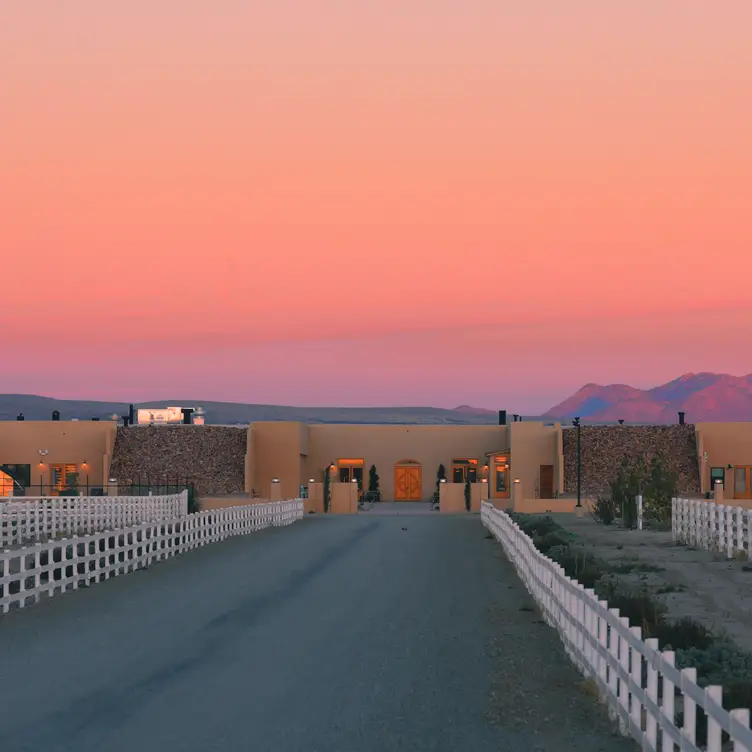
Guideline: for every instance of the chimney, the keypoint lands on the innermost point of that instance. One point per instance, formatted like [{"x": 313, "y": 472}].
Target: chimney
[
  {"x": 681, "y": 417},
  {"x": 126, "y": 420},
  {"x": 55, "y": 415},
  {"x": 502, "y": 417},
  {"x": 621, "y": 421},
  {"x": 131, "y": 414},
  {"x": 20, "y": 416},
  {"x": 187, "y": 411}
]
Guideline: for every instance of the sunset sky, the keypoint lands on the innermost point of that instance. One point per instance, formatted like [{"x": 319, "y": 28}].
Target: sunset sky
[{"x": 372, "y": 203}]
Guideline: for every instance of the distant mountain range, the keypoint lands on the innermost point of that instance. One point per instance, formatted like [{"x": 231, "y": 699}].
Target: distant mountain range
[
  {"x": 702, "y": 396},
  {"x": 34, "y": 407}
]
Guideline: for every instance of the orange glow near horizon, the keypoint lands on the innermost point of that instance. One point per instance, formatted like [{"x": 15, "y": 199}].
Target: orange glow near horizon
[{"x": 342, "y": 204}]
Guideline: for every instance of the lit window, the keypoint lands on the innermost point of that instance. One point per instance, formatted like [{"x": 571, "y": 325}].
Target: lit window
[{"x": 464, "y": 470}]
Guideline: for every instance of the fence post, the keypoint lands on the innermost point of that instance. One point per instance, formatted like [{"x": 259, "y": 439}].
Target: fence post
[
  {"x": 689, "y": 729},
  {"x": 639, "y": 511}
]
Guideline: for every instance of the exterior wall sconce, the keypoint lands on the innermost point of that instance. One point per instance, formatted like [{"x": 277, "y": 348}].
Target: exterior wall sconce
[
  {"x": 730, "y": 467},
  {"x": 275, "y": 480},
  {"x": 484, "y": 480},
  {"x": 443, "y": 480},
  {"x": 354, "y": 480},
  {"x": 516, "y": 480},
  {"x": 311, "y": 480}
]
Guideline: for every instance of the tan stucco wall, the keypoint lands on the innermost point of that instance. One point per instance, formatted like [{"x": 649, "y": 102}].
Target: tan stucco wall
[
  {"x": 452, "y": 497},
  {"x": 726, "y": 444},
  {"x": 73, "y": 442},
  {"x": 276, "y": 450},
  {"x": 344, "y": 498},
  {"x": 385, "y": 446},
  {"x": 533, "y": 445}
]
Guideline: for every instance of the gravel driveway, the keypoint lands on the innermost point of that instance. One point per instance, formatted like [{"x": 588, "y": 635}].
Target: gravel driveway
[{"x": 335, "y": 634}]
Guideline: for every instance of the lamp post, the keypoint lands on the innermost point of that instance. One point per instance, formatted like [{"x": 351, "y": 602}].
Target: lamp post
[{"x": 576, "y": 424}]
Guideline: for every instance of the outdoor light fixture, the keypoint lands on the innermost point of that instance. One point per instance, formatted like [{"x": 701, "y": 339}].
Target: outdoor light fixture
[
  {"x": 443, "y": 480},
  {"x": 43, "y": 452},
  {"x": 311, "y": 480},
  {"x": 516, "y": 480},
  {"x": 275, "y": 480},
  {"x": 730, "y": 467}
]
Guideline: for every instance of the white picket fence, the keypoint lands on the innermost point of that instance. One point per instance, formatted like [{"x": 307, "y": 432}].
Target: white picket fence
[
  {"x": 38, "y": 518},
  {"x": 639, "y": 682},
  {"x": 715, "y": 527},
  {"x": 28, "y": 573}
]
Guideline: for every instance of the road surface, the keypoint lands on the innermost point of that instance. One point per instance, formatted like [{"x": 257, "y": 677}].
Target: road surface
[{"x": 335, "y": 634}]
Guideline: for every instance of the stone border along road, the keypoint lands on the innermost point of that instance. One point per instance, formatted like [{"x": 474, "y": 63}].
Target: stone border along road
[
  {"x": 708, "y": 587},
  {"x": 335, "y": 634}
]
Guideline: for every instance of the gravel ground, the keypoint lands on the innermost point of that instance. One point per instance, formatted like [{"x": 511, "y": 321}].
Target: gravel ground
[
  {"x": 337, "y": 633},
  {"x": 703, "y": 585}
]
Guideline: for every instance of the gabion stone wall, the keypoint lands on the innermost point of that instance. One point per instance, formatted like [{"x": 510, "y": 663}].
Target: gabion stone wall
[
  {"x": 213, "y": 457},
  {"x": 604, "y": 447}
]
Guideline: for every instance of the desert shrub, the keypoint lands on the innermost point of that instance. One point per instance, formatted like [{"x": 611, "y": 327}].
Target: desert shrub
[
  {"x": 540, "y": 525},
  {"x": 636, "y": 603},
  {"x": 604, "y": 510},
  {"x": 554, "y": 539},
  {"x": 659, "y": 489},
  {"x": 683, "y": 634}
]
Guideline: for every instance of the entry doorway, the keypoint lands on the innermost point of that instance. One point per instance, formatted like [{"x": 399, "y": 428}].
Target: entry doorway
[
  {"x": 408, "y": 481},
  {"x": 546, "y": 482}
]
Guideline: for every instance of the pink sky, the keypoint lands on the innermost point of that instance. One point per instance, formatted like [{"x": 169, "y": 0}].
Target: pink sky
[{"x": 335, "y": 203}]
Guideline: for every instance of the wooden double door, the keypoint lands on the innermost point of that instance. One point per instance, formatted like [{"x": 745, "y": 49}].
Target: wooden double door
[{"x": 408, "y": 482}]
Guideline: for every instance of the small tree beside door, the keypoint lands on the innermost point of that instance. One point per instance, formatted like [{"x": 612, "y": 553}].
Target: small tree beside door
[
  {"x": 374, "y": 494},
  {"x": 440, "y": 476}
]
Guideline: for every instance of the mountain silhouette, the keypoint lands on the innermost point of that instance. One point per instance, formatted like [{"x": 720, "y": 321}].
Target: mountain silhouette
[{"x": 702, "y": 396}]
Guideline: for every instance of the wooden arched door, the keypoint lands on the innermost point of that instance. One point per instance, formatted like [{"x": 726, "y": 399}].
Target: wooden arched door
[{"x": 408, "y": 481}]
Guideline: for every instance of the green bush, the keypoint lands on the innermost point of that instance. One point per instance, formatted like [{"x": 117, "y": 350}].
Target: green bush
[
  {"x": 374, "y": 493},
  {"x": 327, "y": 490},
  {"x": 193, "y": 505}
]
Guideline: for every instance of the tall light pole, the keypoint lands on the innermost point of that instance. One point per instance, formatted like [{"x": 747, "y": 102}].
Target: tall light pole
[{"x": 576, "y": 424}]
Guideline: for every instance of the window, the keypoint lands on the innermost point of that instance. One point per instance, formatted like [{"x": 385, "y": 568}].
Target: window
[
  {"x": 463, "y": 470},
  {"x": 743, "y": 482},
  {"x": 349, "y": 470},
  {"x": 717, "y": 473},
  {"x": 501, "y": 473},
  {"x": 303, "y": 492},
  {"x": 14, "y": 479},
  {"x": 64, "y": 476}
]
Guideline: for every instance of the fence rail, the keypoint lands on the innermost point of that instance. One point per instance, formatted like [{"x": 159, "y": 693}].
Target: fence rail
[
  {"x": 29, "y": 573},
  {"x": 36, "y": 519},
  {"x": 639, "y": 682},
  {"x": 715, "y": 527}
]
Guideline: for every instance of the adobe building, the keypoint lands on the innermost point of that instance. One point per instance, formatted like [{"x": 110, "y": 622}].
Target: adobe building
[{"x": 531, "y": 463}]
